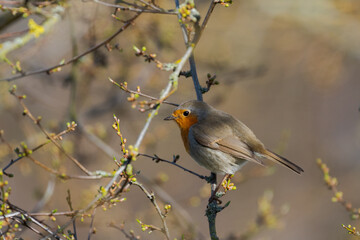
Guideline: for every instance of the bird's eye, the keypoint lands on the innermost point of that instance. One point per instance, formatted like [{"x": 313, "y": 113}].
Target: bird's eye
[{"x": 186, "y": 113}]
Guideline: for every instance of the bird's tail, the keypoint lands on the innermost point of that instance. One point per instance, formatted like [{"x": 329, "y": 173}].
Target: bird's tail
[{"x": 275, "y": 157}]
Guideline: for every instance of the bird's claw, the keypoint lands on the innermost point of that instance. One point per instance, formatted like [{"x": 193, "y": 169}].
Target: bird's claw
[{"x": 210, "y": 179}]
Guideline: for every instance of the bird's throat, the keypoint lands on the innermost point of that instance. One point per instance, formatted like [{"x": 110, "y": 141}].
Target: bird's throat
[{"x": 184, "y": 125}]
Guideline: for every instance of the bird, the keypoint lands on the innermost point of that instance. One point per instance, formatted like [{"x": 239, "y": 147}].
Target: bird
[{"x": 219, "y": 142}]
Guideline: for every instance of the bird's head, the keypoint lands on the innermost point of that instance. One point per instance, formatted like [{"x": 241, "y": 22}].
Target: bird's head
[{"x": 189, "y": 113}]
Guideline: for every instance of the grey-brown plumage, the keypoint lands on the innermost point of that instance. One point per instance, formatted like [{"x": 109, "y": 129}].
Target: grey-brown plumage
[{"x": 220, "y": 142}]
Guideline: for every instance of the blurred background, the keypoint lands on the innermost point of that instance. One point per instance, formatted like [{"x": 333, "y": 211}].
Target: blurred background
[{"x": 287, "y": 69}]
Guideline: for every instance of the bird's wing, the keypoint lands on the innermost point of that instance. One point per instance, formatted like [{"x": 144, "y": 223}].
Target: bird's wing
[{"x": 220, "y": 137}]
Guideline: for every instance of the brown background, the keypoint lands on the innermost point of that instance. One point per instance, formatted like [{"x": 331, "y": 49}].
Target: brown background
[{"x": 288, "y": 69}]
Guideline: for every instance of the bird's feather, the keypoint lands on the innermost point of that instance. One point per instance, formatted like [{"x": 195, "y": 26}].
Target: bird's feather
[
  {"x": 238, "y": 149},
  {"x": 224, "y": 141},
  {"x": 277, "y": 158}
]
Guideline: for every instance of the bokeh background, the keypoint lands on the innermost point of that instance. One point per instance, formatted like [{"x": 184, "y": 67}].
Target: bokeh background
[{"x": 288, "y": 69}]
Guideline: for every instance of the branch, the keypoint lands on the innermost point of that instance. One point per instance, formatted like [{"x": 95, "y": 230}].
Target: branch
[
  {"x": 9, "y": 46},
  {"x": 165, "y": 93},
  {"x": 186, "y": 219},
  {"x": 49, "y": 70},
  {"x": 137, "y": 8},
  {"x": 57, "y": 136},
  {"x": 195, "y": 78},
  {"x": 91, "y": 230},
  {"x": 351, "y": 230},
  {"x": 44, "y": 214},
  {"x": 157, "y": 159},
  {"x": 208, "y": 14},
  {"x": 2, "y": 139},
  {"x": 37, "y": 122},
  {"x": 66, "y": 176},
  {"x": 13, "y": 34},
  {"x": 123, "y": 86},
  {"x": 130, "y": 235},
  {"x": 332, "y": 183},
  {"x": 26, "y": 216},
  {"x": 151, "y": 197},
  {"x": 193, "y": 71},
  {"x": 211, "y": 209}
]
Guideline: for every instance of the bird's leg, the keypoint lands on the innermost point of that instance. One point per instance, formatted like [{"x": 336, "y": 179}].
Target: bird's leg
[
  {"x": 211, "y": 179},
  {"x": 213, "y": 194}
]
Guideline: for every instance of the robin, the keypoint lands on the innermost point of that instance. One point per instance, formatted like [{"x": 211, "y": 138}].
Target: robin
[{"x": 218, "y": 141}]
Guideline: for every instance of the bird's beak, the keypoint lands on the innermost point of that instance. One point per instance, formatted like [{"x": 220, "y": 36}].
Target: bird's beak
[{"x": 171, "y": 117}]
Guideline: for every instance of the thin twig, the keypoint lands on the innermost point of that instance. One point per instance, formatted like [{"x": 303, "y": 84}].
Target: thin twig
[
  {"x": 173, "y": 83},
  {"x": 138, "y": 9},
  {"x": 2, "y": 139},
  {"x": 12, "y": 161},
  {"x": 69, "y": 202},
  {"x": 191, "y": 59},
  {"x": 34, "y": 220},
  {"x": 63, "y": 175},
  {"x": 51, "y": 19},
  {"x": 119, "y": 171},
  {"x": 75, "y": 232},
  {"x": 109, "y": 185},
  {"x": 208, "y": 14},
  {"x": 332, "y": 183},
  {"x": 157, "y": 159},
  {"x": 37, "y": 123},
  {"x": 74, "y": 59},
  {"x": 183, "y": 28},
  {"x": 152, "y": 199},
  {"x": 169, "y": 90},
  {"x": 99, "y": 199},
  {"x": 13, "y": 34},
  {"x": 43, "y": 214},
  {"x": 57, "y": 136},
  {"x": 27, "y": 153},
  {"x": 151, "y": 5},
  {"x": 43, "y": 166},
  {"x": 130, "y": 236},
  {"x": 124, "y": 88},
  {"x": 165, "y": 93},
  {"x": 91, "y": 230},
  {"x": 186, "y": 219},
  {"x": 30, "y": 227}
]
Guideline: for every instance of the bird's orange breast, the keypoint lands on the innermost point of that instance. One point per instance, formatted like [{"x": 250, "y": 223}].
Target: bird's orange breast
[{"x": 184, "y": 124}]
